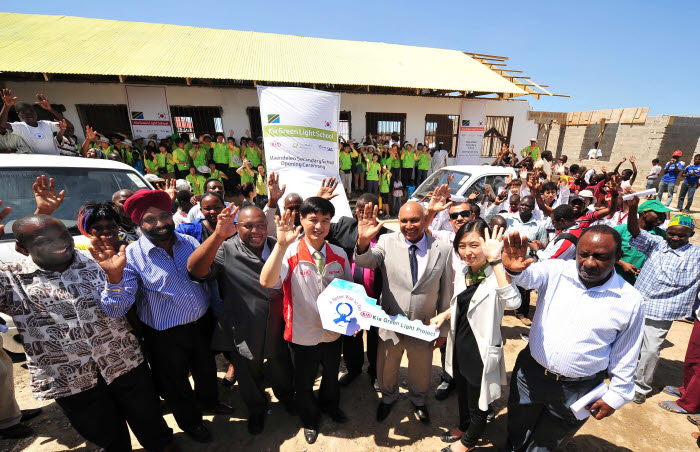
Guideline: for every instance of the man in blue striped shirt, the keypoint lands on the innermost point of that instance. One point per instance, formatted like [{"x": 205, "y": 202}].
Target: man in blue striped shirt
[
  {"x": 588, "y": 325},
  {"x": 174, "y": 310},
  {"x": 669, "y": 281}
]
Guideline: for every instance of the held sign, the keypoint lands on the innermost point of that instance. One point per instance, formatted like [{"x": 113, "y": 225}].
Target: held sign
[{"x": 345, "y": 308}]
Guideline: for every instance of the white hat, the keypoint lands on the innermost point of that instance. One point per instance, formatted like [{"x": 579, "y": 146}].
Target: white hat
[
  {"x": 586, "y": 194},
  {"x": 153, "y": 136},
  {"x": 153, "y": 178},
  {"x": 138, "y": 137},
  {"x": 204, "y": 169},
  {"x": 182, "y": 184},
  {"x": 533, "y": 139},
  {"x": 104, "y": 139},
  {"x": 128, "y": 142}
]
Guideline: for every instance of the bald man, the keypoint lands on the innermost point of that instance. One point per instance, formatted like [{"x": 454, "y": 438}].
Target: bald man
[{"x": 417, "y": 283}]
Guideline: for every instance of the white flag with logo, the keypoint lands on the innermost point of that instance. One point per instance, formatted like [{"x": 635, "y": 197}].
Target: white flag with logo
[{"x": 300, "y": 131}]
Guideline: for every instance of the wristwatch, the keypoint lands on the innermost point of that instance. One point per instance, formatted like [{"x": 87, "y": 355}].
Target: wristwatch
[{"x": 495, "y": 262}]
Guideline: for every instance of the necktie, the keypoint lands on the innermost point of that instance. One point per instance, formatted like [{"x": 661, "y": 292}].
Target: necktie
[
  {"x": 414, "y": 262},
  {"x": 318, "y": 257}
]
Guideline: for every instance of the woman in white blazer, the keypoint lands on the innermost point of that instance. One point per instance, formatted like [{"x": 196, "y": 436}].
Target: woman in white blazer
[{"x": 474, "y": 354}]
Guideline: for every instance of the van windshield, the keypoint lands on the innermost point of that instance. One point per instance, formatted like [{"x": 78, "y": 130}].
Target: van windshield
[
  {"x": 459, "y": 178},
  {"x": 81, "y": 185}
]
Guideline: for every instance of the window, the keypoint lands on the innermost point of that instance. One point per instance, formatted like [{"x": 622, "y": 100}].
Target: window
[
  {"x": 442, "y": 128},
  {"x": 344, "y": 127},
  {"x": 438, "y": 178},
  {"x": 495, "y": 181},
  {"x": 387, "y": 126},
  {"x": 255, "y": 124},
  {"x": 497, "y": 132},
  {"x": 196, "y": 121},
  {"x": 106, "y": 119}
]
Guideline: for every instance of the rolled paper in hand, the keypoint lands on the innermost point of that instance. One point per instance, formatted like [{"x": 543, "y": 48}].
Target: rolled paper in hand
[{"x": 639, "y": 194}]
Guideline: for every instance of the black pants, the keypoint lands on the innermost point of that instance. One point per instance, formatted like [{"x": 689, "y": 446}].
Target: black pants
[
  {"x": 472, "y": 421},
  {"x": 181, "y": 174},
  {"x": 396, "y": 175},
  {"x": 407, "y": 177},
  {"x": 101, "y": 414},
  {"x": 539, "y": 417},
  {"x": 174, "y": 354},
  {"x": 306, "y": 359},
  {"x": 421, "y": 176},
  {"x": 354, "y": 352},
  {"x": 447, "y": 378},
  {"x": 252, "y": 374},
  {"x": 524, "y": 308}
]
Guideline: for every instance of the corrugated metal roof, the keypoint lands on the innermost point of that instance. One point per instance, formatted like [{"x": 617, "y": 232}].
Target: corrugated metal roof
[{"x": 76, "y": 45}]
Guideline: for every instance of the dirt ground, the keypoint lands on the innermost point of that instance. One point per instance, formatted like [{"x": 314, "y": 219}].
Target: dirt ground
[{"x": 633, "y": 428}]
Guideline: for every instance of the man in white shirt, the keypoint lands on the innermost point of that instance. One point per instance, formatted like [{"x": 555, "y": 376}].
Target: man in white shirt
[
  {"x": 588, "y": 325},
  {"x": 37, "y": 134},
  {"x": 595, "y": 153},
  {"x": 439, "y": 158}
]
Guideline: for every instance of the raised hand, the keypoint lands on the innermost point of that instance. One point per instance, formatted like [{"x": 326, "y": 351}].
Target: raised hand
[
  {"x": 47, "y": 201},
  {"x": 247, "y": 133},
  {"x": 438, "y": 201},
  {"x": 509, "y": 181},
  {"x": 614, "y": 183},
  {"x": 475, "y": 194},
  {"x": 63, "y": 124},
  {"x": 327, "y": 188},
  {"x": 633, "y": 202},
  {"x": 3, "y": 214},
  {"x": 43, "y": 102},
  {"x": 514, "y": 255},
  {"x": 624, "y": 159},
  {"x": 8, "y": 98},
  {"x": 108, "y": 259},
  {"x": 286, "y": 232},
  {"x": 274, "y": 191},
  {"x": 230, "y": 132},
  {"x": 628, "y": 268},
  {"x": 603, "y": 169},
  {"x": 492, "y": 244},
  {"x": 90, "y": 133},
  {"x": 633, "y": 159},
  {"x": 368, "y": 226},
  {"x": 226, "y": 222},
  {"x": 171, "y": 189},
  {"x": 523, "y": 173}
]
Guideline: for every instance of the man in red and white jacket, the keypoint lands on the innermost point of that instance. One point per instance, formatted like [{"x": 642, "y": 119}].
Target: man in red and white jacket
[
  {"x": 563, "y": 245},
  {"x": 304, "y": 268}
]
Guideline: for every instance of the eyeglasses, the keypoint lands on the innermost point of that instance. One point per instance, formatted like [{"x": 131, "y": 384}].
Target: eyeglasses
[{"x": 463, "y": 214}]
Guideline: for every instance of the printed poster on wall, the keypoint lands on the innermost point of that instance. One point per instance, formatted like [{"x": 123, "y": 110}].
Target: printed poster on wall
[
  {"x": 300, "y": 131},
  {"x": 149, "y": 111},
  {"x": 471, "y": 131}
]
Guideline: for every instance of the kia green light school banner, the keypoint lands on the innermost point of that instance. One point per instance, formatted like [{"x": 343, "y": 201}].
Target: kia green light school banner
[
  {"x": 300, "y": 131},
  {"x": 149, "y": 112},
  {"x": 471, "y": 131}
]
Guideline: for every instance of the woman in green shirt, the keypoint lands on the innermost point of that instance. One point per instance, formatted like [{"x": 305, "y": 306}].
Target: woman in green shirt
[
  {"x": 384, "y": 188},
  {"x": 346, "y": 168},
  {"x": 373, "y": 169},
  {"x": 166, "y": 166},
  {"x": 197, "y": 181},
  {"x": 423, "y": 164},
  {"x": 150, "y": 162},
  {"x": 181, "y": 158},
  {"x": 216, "y": 173},
  {"x": 199, "y": 155},
  {"x": 261, "y": 187},
  {"x": 246, "y": 172},
  {"x": 395, "y": 158},
  {"x": 408, "y": 162}
]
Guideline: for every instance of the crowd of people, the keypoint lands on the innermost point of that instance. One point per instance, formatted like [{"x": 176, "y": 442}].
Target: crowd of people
[{"x": 166, "y": 279}]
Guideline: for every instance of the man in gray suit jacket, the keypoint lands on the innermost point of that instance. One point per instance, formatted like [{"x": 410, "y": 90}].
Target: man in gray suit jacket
[{"x": 417, "y": 283}]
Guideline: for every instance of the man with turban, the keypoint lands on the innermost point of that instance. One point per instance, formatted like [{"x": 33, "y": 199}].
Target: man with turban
[{"x": 174, "y": 310}]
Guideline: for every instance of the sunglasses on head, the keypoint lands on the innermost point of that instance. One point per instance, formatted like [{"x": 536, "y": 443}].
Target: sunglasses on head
[{"x": 463, "y": 214}]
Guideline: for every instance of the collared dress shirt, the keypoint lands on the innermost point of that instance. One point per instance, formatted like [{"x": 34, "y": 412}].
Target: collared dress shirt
[
  {"x": 669, "y": 279},
  {"x": 421, "y": 254},
  {"x": 68, "y": 339},
  {"x": 449, "y": 238},
  {"x": 164, "y": 294},
  {"x": 579, "y": 332}
]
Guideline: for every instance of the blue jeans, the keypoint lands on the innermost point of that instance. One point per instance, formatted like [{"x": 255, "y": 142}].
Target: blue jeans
[
  {"x": 650, "y": 183},
  {"x": 666, "y": 187},
  {"x": 688, "y": 189}
]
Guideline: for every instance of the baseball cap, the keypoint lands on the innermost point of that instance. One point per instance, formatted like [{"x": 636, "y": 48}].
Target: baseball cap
[
  {"x": 653, "y": 205},
  {"x": 576, "y": 198},
  {"x": 182, "y": 184},
  {"x": 677, "y": 153},
  {"x": 586, "y": 194}
]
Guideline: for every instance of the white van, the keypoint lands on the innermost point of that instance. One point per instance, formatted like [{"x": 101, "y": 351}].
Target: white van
[
  {"x": 465, "y": 179},
  {"x": 82, "y": 179}
]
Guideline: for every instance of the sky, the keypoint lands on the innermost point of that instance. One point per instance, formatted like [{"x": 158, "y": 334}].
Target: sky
[{"x": 604, "y": 54}]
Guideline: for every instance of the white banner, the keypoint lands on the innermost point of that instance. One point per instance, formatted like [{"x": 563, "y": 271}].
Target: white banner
[
  {"x": 344, "y": 308},
  {"x": 149, "y": 111},
  {"x": 471, "y": 131},
  {"x": 300, "y": 130}
]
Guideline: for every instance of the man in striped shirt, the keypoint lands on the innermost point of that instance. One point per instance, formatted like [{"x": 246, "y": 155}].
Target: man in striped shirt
[
  {"x": 588, "y": 326},
  {"x": 174, "y": 310}
]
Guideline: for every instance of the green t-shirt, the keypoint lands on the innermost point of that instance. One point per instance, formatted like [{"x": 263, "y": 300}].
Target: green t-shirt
[
  {"x": 395, "y": 162},
  {"x": 373, "y": 170},
  {"x": 200, "y": 159},
  {"x": 384, "y": 185},
  {"x": 222, "y": 154},
  {"x": 528, "y": 151},
  {"x": 151, "y": 166},
  {"x": 632, "y": 255},
  {"x": 163, "y": 162},
  {"x": 246, "y": 177},
  {"x": 216, "y": 174},
  {"x": 183, "y": 161},
  {"x": 197, "y": 181},
  {"x": 345, "y": 161},
  {"x": 252, "y": 157},
  {"x": 385, "y": 160},
  {"x": 408, "y": 159},
  {"x": 424, "y": 161}
]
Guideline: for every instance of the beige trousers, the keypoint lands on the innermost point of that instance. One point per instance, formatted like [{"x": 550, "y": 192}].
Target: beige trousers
[
  {"x": 9, "y": 410},
  {"x": 420, "y": 360}
]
